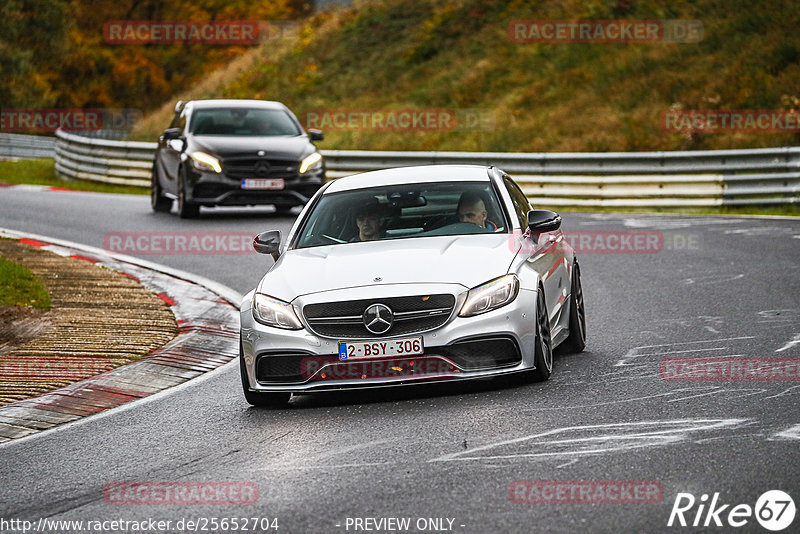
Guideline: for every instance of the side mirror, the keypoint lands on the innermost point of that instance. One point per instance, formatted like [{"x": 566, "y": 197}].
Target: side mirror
[
  {"x": 315, "y": 135},
  {"x": 268, "y": 243},
  {"x": 540, "y": 221},
  {"x": 172, "y": 133}
]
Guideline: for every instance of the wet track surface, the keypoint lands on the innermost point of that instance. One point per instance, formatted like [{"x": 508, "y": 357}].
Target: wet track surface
[{"x": 716, "y": 287}]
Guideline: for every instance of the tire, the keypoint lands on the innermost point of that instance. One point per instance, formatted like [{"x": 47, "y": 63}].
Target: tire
[
  {"x": 186, "y": 208},
  {"x": 543, "y": 356},
  {"x": 272, "y": 400},
  {"x": 576, "y": 341},
  {"x": 158, "y": 202},
  {"x": 283, "y": 209}
]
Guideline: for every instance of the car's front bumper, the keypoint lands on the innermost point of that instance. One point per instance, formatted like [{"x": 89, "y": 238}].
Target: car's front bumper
[
  {"x": 217, "y": 189},
  {"x": 445, "y": 347}
]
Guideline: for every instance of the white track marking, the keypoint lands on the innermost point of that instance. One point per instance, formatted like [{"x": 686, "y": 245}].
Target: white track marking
[
  {"x": 596, "y": 439},
  {"x": 790, "y": 433},
  {"x": 791, "y": 343},
  {"x": 708, "y": 279},
  {"x": 782, "y": 393},
  {"x": 638, "y": 352},
  {"x": 573, "y": 461}
]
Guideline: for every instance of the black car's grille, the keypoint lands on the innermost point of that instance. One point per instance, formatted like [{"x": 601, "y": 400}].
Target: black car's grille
[
  {"x": 485, "y": 353},
  {"x": 252, "y": 167},
  {"x": 413, "y": 314}
]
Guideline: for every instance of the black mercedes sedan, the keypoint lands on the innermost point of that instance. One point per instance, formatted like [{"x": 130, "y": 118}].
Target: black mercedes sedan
[{"x": 235, "y": 153}]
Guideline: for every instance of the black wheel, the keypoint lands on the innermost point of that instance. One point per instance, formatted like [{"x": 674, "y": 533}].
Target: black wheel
[
  {"x": 576, "y": 341},
  {"x": 283, "y": 209},
  {"x": 274, "y": 400},
  {"x": 186, "y": 208},
  {"x": 543, "y": 357},
  {"x": 157, "y": 201}
]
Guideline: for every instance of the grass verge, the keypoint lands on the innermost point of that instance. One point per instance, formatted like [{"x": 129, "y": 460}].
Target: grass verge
[
  {"x": 43, "y": 172},
  {"x": 18, "y": 287}
]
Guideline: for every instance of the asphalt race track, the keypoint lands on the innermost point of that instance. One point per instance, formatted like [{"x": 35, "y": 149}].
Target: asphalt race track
[{"x": 716, "y": 287}]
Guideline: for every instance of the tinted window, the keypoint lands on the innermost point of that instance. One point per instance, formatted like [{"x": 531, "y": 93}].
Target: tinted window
[
  {"x": 404, "y": 211},
  {"x": 242, "y": 121},
  {"x": 520, "y": 201}
]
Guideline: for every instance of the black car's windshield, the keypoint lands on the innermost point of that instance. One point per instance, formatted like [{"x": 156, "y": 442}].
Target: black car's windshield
[
  {"x": 403, "y": 211},
  {"x": 243, "y": 121}
]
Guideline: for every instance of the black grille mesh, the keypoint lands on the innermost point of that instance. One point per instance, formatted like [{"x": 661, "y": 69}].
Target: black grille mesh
[
  {"x": 248, "y": 167},
  {"x": 419, "y": 303}
]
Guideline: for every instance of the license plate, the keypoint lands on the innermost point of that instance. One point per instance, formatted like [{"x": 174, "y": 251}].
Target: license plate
[
  {"x": 262, "y": 183},
  {"x": 407, "y": 346}
]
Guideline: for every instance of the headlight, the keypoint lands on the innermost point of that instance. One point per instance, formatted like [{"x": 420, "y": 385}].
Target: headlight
[
  {"x": 274, "y": 312},
  {"x": 311, "y": 162},
  {"x": 490, "y": 296},
  {"x": 205, "y": 162}
]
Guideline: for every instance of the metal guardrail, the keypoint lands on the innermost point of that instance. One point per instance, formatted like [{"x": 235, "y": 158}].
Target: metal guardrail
[
  {"x": 615, "y": 179},
  {"x": 16, "y": 146}
]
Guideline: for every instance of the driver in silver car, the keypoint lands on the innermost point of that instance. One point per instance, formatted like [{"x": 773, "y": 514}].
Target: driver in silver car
[{"x": 472, "y": 209}]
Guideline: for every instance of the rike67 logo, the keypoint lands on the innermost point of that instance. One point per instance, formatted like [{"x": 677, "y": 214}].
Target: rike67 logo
[{"x": 774, "y": 510}]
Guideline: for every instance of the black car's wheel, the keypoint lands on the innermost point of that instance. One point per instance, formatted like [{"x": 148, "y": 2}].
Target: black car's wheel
[
  {"x": 186, "y": 208},
  {"x": 274, "y": 400},
  {"x": 283, "y": 209},
  {"x": 157, "y": 201},
  {"x": 543, "y": 356},
  {"x": 576, "y": 341}
]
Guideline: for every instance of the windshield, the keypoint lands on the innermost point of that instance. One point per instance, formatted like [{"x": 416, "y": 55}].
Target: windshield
[
  {"x": 403, "y": 211},
  {"x": 243, "y": 121}
]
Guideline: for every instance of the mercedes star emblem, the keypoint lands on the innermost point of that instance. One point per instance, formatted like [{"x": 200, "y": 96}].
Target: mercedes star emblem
[
  {"x": 261, "y": 153},
  {"x": 262, "y": 168},
  {"x": 378, "y": 318}
]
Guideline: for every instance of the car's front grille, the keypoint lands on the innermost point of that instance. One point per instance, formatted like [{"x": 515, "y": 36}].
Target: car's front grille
[
  {"x": 483, "y": 353},
  {"x": 413, "y": 314},
  {"x": 252, "y": 167}
]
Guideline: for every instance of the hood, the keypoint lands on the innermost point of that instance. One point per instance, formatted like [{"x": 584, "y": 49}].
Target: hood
[
  {"x": 468, "y": 260},
  {"x": 223, "y": 146}
]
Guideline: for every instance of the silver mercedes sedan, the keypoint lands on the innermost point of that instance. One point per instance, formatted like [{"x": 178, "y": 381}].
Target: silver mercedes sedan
[{"x": 410, "y": 275}]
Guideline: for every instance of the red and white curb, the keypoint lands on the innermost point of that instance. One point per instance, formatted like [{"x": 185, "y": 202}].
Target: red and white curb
[
  {"x": 208, "y": 321},
  {"x": 41, "y": 188}
]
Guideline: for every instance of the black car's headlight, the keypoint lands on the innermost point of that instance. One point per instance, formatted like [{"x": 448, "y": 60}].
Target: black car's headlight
[
  {"x": 490, "y": 296},
  {"x": 311, "y": 162},
  {"x": 205, "y": 162},
  {"x": 273, "y": 312}
]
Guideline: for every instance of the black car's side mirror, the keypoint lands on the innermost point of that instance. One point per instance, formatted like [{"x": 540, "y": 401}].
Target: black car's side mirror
[
  {"x": 540, "y": 221},
  {"x": 315, "y": 135},
  {"x": 268, "y": 243},
  {"x": 172, "y": 133}
]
